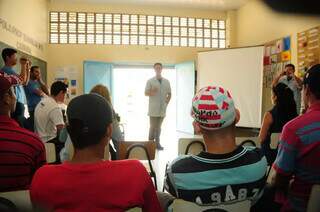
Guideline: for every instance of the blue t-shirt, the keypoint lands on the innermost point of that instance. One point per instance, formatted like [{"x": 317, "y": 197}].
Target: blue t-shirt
[
  {"x": 213, "y": 179},
  {"x": 32, "y": 97},
  {"x": 21, "y": 96}
]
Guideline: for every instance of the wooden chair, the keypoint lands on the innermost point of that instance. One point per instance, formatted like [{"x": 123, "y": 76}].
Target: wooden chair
[
  {"x": 191, "y": 146},
  {"x": 140, "y": 150},
  {"x": 314, "y": 200},
  {"x": 21, "y": 199},
  {"x": 180, "y": 205},
  {"x": 50, "y": 152}
]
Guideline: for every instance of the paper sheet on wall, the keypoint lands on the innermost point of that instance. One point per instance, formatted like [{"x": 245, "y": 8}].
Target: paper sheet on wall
[{"x": 70, "y": 76}]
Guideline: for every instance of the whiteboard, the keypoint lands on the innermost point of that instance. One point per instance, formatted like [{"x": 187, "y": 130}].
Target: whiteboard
[{"x": 240, "y": 71}]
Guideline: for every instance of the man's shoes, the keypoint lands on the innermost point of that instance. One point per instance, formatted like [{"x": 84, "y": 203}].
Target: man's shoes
[{"x": 159, "y": 147}]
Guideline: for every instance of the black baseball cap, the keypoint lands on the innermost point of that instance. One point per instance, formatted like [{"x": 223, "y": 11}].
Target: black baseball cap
[
  {"x": 312, "y": 79},
  {"x": 92, "y": 110}
]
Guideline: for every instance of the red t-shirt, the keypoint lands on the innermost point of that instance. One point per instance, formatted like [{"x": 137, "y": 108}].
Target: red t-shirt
[
  {"x": 21, "y": 154},
  {"x": 102, "y": 186}
]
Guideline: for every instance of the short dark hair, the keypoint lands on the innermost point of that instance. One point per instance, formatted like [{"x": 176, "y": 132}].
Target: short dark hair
[
  {"x": 80, "y": 139},
  {"x": 290, "y": 65},
  {"x": 33, "y": 68},
  {"x": 58, "y": 86},
  {"x": 312, "y": 79},
  {"x": 7, "y": 52},
  {"x": 160, "y": 64}
]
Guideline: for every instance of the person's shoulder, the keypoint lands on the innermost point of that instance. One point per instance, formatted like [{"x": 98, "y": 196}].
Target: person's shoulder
[
  {"x": 27, "y": 136},
  {"x": 253, "y": 155},
  {"x": 182, "y": 161},
  {"x": 45, "y": 173},
  {"x": 130, "y": 167},
  {"x": 132, "y": 164},
  {"x": 296, "y": 123}
]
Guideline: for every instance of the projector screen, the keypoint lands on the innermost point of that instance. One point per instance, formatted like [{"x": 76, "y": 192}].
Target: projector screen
[{"x": 240, "y": 71}]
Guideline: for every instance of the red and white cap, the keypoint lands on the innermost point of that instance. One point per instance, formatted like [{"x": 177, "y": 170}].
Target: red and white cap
[{"x": 213, "y": 108}]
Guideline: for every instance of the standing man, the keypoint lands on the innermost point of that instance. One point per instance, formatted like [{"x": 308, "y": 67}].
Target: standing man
[
  {"x": 288, "y": 78},
  {"x": 159, "y": 91},
  {"x": 9, "y": 57},
  {"x": 35, "y": 90}
]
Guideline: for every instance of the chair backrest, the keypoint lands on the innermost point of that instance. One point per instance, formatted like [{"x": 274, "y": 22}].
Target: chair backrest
[
  {"x": 21, "y": 199},
  {"x": 191, "y": 146},
  {"x": 140, "y": 150},
  {"x": 70, "y": 150},
  {"x": 314, "y": 200},
  {"x": 50, "y": 152},
  {"x": 274, "y": 140},
  {"x": 185, "y": 206},
  {"x": 239, "y": 140},
  {"x": 136, "y": 209}
]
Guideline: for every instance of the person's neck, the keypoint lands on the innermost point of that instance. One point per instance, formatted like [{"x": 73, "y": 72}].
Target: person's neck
[
  {"x": 158, "y": 76},
  {"x": 88, "y": 155},
  {"x": 5, "y": 112},
  {"x": 56, "y": 99},
  {"x": 8, "y": 65},
  {"x": 313, "y": 101},
  {"x": 220, "y": 143}
]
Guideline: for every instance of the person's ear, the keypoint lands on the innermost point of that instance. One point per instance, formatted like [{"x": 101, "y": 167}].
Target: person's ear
[
  {"x": 196, "y": 127},
  {"x": 109, "y": 131},
  {"x": 6, "y": 99},
  {"x": 237, "y": 119}
]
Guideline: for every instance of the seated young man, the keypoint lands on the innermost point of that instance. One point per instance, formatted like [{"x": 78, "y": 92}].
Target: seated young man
[
  {"x": 297, "y": 164},
  {"x": 226, "y": 172},
  {"x": 48, "y": 117},
  {"x": 21, "y": 152},
  {"x": 87, "y": 182}
]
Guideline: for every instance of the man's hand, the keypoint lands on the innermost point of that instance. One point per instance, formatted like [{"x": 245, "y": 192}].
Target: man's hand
[{"x": 153, "y": 91}]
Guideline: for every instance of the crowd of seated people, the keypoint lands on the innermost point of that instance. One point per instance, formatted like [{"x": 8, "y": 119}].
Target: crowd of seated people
[{"x": 223, "y": 174}]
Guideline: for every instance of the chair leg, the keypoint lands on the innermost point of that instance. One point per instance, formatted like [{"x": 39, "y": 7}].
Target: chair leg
[{"x": 155, "y": 180}]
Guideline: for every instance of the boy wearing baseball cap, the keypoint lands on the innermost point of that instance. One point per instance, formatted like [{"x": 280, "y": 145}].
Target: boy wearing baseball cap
[
  {"x": 225, "y": 173},
  {"x": 297, "y": 163},
  {"x": 21, "y": 152},
  {"x": 87, "y": 182}
]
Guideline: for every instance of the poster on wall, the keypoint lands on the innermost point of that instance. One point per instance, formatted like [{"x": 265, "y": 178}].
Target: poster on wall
[
  {"x": 308, "y": 49},
  {"x": 68, "y": 75},
  {"x": 276, "y": 55}
]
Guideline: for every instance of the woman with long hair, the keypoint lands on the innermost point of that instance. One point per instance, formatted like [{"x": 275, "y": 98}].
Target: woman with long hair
[
  {"x": 284, "y": 110},
  {"x": 116, "y": 132}
]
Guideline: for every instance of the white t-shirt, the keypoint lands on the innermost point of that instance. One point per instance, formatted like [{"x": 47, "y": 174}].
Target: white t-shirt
[
  {"x": 157, "y": 103},
  {"x": 47, "y": 116}
]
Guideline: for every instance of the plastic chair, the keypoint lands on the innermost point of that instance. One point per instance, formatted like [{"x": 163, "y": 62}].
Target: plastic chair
[
  {"x": 180, "y": 205},
  {"x": 314, "y": 203},
  {"x": 191, "y": 146},
  {"x": 50, "y": 152},
  {"x": 140, "y": 151},
  {"x": 21, "y": 199}
]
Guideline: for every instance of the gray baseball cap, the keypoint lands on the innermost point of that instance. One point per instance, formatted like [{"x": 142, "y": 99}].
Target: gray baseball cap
[{"x": 92, "y": 110}]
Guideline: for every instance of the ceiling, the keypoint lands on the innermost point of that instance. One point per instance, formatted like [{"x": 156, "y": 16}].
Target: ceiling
[{"x": 221, "y": 5}]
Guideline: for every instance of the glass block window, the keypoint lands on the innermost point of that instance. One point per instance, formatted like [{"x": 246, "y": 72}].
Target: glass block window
[{"x": 134, "y": 29}]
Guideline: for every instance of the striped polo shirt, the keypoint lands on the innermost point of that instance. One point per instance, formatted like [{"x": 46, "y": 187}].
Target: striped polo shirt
[
  {"x": 299, "y": 157},
  {"x": 212, "y": 179},
  {"x": 21, "y": 154}
]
